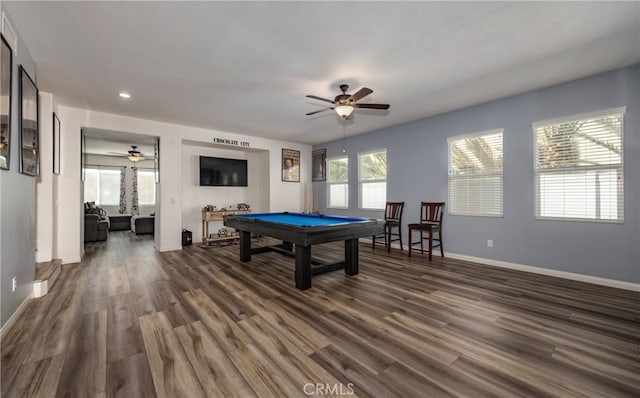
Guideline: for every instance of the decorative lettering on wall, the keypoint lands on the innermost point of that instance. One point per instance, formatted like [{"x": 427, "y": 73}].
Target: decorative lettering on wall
[{"x": 231, "y": 142}]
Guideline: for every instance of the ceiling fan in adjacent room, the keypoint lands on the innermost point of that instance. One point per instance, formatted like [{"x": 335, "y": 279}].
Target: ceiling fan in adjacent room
[
  {"x": 132, "y": 154},
  {"x": 344, "y": 104}
]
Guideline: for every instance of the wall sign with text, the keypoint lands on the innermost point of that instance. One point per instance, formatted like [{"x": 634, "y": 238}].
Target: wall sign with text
[{"x": 225, "y": 141}]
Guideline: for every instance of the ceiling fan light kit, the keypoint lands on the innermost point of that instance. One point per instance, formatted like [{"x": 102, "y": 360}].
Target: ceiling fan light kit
[
  {"x": 134, "y": 154},
  {"x": 345, "y": 104},
  {"x": 344, "y": 110}
]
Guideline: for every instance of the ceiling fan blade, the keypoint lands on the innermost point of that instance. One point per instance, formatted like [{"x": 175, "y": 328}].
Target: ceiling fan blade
[
  {"x": 363, "y": 92},
  {"x": 314, "y": 112},
  {"x": 372, "y": 106},
  {"x": 320, "y": 98}
]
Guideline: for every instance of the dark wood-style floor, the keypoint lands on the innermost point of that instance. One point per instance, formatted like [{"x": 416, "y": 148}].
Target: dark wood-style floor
[{"x": 131, "y": 322}]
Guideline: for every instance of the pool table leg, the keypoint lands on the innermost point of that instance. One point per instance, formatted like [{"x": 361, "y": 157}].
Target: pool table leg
[
  {"x": 303, "y": 267},
  {"x": 351, "y": 256},
  {"x": 245, "y": 246}
]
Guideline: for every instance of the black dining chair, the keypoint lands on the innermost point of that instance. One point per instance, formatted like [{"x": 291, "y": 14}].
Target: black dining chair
[
  {"x": 392, "y": 220},
  {"x": 430, "y": 222}
]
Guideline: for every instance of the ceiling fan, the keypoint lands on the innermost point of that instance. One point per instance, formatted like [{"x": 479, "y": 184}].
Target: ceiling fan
[
  {"x": 344, "y": 104},
  {"x": 134, "y": 154}
]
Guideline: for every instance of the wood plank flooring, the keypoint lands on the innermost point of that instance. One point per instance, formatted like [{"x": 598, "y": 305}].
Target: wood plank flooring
[{"x": 131, "y": 322}]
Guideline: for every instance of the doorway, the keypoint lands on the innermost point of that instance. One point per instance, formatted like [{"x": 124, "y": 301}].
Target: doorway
[{"x": 120, "y": 175}]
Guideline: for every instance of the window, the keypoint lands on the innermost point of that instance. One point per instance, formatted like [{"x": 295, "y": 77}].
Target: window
[
  {"x": 578, "y": 168},
  {"x": 372, "y": 175},
  {"x": 338, "y": 183},
  {"x": 102, "y": 186},
  {"x": 146, "y": 188},
  {"x": 475, "y": 174}
]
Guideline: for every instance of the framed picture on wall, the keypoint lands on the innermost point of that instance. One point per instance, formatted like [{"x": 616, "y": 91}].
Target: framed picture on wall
[
  {"x": 56, "y": 144},
  {"x": 6, "y": 73},
  {"x": 29, "y": 133},
  {"x": 290, "y": 165},
  {"x": 319, "y": 165}
]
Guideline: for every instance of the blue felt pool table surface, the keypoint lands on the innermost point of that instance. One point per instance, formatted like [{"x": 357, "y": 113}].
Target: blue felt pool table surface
[{"x": 302, "y": 220}]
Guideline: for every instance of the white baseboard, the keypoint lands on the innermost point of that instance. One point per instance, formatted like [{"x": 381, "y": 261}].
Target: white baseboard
[
  {"x": 596, "y": 280},
  {"x": 15, "y": 315},
  {"x": 40, "y": 288},
  {"x": 71, "y": 260},
  {"x": 549, "y": 272}
]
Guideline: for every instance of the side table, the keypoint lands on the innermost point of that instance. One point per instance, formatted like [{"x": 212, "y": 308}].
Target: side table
[{"x": 120, "y": 222}]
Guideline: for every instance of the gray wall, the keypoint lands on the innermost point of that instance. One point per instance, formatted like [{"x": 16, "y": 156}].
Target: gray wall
[
  {"x": 417, "y": 171},
  {"x": 17, "y": 207}
]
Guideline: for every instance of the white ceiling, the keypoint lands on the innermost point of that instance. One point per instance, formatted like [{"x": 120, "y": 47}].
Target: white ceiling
[{"x": 245, "y": 67}]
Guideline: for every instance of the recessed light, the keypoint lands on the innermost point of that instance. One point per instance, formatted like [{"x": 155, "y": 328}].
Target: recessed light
[{"x": 125, "y": 95}]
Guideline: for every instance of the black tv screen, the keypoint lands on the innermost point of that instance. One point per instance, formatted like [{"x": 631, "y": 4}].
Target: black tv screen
[{"x": 220, "y": 172}]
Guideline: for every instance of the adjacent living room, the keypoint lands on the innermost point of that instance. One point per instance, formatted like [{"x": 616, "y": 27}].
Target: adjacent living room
[{"x": 119, "y": 176}]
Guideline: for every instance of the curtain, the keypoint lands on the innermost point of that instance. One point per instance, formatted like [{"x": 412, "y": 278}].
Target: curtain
[
  {"x": 123, "y": 191},
  {"x": 135, "y": 210}
]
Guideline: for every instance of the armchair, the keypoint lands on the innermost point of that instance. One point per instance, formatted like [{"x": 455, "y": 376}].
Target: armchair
[{"x": 95, "y": 228}]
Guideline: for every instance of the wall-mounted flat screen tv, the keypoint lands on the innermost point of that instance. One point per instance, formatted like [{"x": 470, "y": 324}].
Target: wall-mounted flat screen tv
[{"x": 221, "y": 172}]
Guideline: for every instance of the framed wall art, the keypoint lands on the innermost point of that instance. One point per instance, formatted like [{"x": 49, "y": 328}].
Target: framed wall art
[
  {"x": 319, "y": 165},
  {"x": 56, "y": 144},
  {"x": 6, "y": 74},
  {"x": 290, "y": 165},
  {"x": 29, "y": 133}
]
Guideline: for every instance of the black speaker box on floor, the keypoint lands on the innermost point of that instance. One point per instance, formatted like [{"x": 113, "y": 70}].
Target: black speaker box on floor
[{"x": 187, "y": 238}]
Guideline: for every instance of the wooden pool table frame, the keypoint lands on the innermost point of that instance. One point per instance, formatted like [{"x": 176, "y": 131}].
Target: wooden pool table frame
[{"x": 302, "y": 238}]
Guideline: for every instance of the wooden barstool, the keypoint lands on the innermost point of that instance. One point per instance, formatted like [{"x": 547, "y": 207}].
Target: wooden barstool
[
  {"x": 430, "y": 221},
  {"x": 392, "y": 219}
]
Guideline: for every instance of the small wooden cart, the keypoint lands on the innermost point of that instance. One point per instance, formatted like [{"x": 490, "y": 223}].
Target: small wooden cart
[{"x": 217, "y": 216}]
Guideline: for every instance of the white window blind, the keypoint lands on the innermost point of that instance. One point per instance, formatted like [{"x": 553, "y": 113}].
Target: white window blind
[
  {"x": 372, "y": 176},
  {"x": 476, "y": 174},
  {"x": 578, "y": 168},
  {"x": 102, "y": 186},
  {"x": 146, "y": 188},
  {"x": 338, "y": 183}
]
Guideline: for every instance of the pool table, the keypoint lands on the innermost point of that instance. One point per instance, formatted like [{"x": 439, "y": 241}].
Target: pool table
[{"x": 298, "y": 232}]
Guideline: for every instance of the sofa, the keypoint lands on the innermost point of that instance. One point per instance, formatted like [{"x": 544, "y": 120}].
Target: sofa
[
  {"x": 95, "y": 228},
  {"x": 143, "y": 224}
]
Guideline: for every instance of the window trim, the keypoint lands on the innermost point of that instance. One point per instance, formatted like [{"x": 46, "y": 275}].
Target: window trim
[
  {"x": 328, "y": 183},
  {"x": 360, "y": 181},
  {"x": 566, "y": 119},
  {"x": 449, "y": 176}
]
